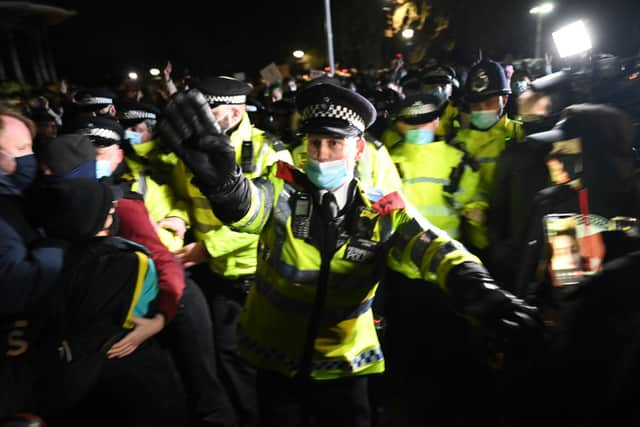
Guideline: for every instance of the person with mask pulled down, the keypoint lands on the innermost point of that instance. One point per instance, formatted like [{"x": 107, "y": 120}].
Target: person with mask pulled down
[{"x": 307, "y": 323}]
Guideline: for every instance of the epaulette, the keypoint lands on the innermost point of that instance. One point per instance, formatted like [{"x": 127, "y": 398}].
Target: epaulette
[
  {"x": 277, "y": 143},
  {"x": 376, "y": 142},
  {"x": 389, "y": 203}
]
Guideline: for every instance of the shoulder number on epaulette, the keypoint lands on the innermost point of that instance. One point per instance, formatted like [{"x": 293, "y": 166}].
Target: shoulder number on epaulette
[{"x": 389, "y": 203}]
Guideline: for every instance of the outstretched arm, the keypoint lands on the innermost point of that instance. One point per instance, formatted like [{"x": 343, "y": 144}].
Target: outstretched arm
[{"x": 189, "y": 128}]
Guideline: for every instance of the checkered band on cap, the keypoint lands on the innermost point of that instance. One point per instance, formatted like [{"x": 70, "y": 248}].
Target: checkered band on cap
[
  {"x": 101, "y": 133},
  {"x": 417, "y": 109},
  {"x": 138, "y": 114},
  {"x": 95, "y": 100},
  {"x": 335, "y": 112},
  {"x": 236, "y": 99}
]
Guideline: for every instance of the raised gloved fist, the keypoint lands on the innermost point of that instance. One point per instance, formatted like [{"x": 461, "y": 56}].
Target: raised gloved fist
[
  {"x": 189, "y": 128},
  {"x": 187, "y": 120}
]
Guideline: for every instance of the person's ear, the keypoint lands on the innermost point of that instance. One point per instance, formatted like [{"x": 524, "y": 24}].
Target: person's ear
[
  {"x": 236, "y": 114},
  {"x": 361, "y": 144}
]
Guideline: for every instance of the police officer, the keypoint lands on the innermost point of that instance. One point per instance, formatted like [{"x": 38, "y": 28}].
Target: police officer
[
  {"x": 490, "y": 131},
  {"x": 438, "y": 179},
  {"x": 225, "y": 258},
  {"x": 141, "y": 150},
  {"x": 443, "y": 77},
  {"x": 307, "y": 324}
]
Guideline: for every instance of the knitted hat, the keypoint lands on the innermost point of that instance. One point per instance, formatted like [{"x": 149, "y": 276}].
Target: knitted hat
[
  {"x": 73, "y": 209},
  {"x": 70, "y": 155}
]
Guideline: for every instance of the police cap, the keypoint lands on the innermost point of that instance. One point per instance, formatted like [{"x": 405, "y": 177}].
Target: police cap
[
  {"x": 486, "y": 79},
  {"x": 439, "y": 74},
  {"x": 223, "y": 90},
  {"x": 102, "y": 131},
  {"x": 130, "y": 113},
  {"x": 420, "y": 108},
  {"x": 93, "y": 99},
  {"x": 328, "y": 109}
]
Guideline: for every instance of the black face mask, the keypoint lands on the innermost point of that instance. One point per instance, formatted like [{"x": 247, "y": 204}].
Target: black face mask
[{"x": 26, "y": 171}]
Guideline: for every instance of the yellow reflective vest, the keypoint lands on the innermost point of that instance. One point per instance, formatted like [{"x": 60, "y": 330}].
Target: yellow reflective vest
[
  {"x": 274, "y": 322},
  {"x": 449, "y": 124},
  {"x": 158, "y": 196},
  {"x": 391, "y": 136},
  {"x": 438, "y": 181},
  {"x": 232, "y": 254},
  {"x": 485, "y": 146}
]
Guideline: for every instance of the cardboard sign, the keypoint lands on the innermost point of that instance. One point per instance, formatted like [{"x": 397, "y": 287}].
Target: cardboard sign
[{"x": 271, "y": 74}]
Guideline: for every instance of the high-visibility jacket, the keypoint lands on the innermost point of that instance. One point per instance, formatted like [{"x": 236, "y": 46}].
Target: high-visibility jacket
[
  {"x": 438, "y": 180},
  {"x": 157, "y": 194},
  {"x": 449, "y": 123},
  {"x": 391, "y": 136},
  {"x": 375, "y": 170},
  {"x": 285, "y": 212},
  {"x": 485, "y": 147},
  {"x": 232, "y": 254}
]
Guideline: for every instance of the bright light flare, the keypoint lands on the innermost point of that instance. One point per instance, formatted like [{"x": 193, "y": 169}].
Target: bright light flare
[
  {"x": 542, "y": 9},
  {"x": 572, "y": 39},
  {"x": 407, "y": 33}
]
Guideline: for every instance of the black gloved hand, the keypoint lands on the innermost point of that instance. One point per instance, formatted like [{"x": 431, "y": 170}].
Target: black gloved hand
[
  {"x": 505, "y": 317},
  {"x": 189, "y": 128},
  {"x": 497, "y": 312}
]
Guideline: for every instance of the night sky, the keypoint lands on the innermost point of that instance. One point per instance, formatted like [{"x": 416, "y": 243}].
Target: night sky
[{"x": 107, "y": 38}]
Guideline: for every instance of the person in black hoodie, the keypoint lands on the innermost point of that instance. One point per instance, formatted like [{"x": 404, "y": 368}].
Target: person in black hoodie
[
  {"x": 591, "y": 359},
  {"x": 108, "y": 284}
]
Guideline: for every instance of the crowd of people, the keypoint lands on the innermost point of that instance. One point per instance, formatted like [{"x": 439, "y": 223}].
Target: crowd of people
[{"x": 372, "y": 249}]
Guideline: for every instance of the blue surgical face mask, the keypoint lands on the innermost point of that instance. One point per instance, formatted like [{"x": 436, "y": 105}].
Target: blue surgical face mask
[
  {"x": 418, "y": 136},
  {"x": 26, "y": 171},
  {"x": 134, "y": 138},
  {"x": 484, "y": 119},
  {"x": 519, "y": 86},
  {"x": 326, "y": 175},
  {"x": 103, "y": 168}
]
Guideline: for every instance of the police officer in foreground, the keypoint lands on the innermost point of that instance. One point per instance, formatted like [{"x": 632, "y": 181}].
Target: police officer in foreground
[{"x": 307, "y": 325}]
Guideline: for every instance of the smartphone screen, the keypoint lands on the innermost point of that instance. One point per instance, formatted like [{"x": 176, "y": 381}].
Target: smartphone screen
[{"x": 576, "y": 247}]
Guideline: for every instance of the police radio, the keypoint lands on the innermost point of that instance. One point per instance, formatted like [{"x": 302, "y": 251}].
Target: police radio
[
  {"x": 246, "y": 156},
  {"x": 301, "y": 222}
]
